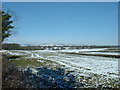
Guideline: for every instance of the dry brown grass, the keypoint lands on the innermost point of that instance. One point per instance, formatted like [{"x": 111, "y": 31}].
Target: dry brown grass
[{"x": 12, "y": 77}]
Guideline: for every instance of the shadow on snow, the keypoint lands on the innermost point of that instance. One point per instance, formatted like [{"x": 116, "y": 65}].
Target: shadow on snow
[{"x": 48, "y": 78}]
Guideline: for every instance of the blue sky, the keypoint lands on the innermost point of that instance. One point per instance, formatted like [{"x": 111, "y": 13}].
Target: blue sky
[{"x": 90, "y": 23}]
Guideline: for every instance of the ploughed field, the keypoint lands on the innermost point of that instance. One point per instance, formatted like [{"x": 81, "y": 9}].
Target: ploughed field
[{"x": 73, "y": 68}]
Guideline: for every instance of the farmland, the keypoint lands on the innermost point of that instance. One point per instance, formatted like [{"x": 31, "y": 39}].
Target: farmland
[{"x": 90, "y": 67}]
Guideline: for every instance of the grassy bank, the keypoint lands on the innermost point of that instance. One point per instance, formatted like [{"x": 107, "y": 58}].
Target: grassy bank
[{"x": 12, "y": 77}]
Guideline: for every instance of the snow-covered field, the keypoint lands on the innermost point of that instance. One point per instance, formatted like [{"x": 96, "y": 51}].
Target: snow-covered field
[{"x": 78, "y": 65}]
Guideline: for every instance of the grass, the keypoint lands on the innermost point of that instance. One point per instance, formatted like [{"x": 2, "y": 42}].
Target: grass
[
  {"x": 88, "y": 69},
  {"x": 23, "y": 62},
  {"x": 113, "y": 49},
  {"x": 14, "y": 56},
  {"x": 12, "y": 77},
  {"x": 109, "y": 51},
  {"x": 32, "y": 62},
  {"x": 102, "y": 55},
  {"x": 26, "y": 63}
]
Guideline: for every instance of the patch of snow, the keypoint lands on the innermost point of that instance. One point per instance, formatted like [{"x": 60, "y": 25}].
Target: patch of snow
[
  {"x": 40, "y": 61},
  {"x": 81, "y": 50},
  {"x": 78, "y": 63}
]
